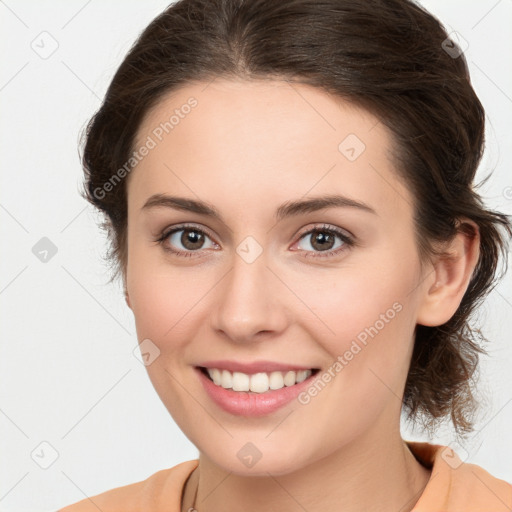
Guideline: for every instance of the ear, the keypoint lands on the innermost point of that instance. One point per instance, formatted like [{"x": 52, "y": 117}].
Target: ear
[
  {"x": 450, "y": 277},
  {"x": 125, "y": 288},
  {"x": 127, "y": 298}
]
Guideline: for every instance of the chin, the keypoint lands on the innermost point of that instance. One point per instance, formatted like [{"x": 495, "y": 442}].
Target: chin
[{"x": 244, "y": 458}]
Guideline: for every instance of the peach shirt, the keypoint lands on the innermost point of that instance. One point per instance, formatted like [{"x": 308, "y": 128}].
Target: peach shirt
[{"x": 454, "y": 486}]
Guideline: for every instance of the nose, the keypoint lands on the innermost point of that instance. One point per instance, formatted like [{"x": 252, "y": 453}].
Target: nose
[{"x": 251, "y": 302}]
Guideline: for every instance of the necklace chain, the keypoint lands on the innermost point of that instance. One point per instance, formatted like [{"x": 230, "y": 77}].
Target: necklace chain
[{"x": 193, "y": 507}]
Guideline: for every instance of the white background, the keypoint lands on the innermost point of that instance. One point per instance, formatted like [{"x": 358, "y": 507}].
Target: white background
[{"x": 69, "y": 377}]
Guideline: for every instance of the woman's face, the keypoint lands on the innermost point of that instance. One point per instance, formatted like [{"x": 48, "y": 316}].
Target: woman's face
[{"x": 254, "y": 286}]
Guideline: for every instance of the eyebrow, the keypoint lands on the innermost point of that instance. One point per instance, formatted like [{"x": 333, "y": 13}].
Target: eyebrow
[
  {"x": 298, "y": 207},
  {"x": 287, "y": 209}
]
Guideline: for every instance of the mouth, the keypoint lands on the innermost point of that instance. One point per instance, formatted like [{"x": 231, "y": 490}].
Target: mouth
[{"x": 261, "y": 382}]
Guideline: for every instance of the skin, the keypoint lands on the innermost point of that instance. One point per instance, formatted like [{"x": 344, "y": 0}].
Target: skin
[{"x": 248, "y": 147}]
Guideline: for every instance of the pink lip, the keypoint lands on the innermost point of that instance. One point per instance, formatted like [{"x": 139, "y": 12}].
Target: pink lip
[
  {"x": 254, "y": 367},
  {"x": 247, "y": 403}
]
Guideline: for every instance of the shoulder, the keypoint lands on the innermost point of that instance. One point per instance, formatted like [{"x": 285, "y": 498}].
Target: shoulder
[
  {"x": 161, "y": 490},
  {"x": 457, "y": 486}
]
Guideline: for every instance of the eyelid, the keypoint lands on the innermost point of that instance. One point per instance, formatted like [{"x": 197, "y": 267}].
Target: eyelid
[
  {"x": 327, "y": 227},
  {"x": 166, "y": 233},
  {"x": 348, "y": 241},
  {"x": 186, "y": 225}
]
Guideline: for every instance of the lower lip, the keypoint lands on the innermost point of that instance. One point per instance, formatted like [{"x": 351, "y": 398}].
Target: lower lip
[{"x": 244, "y": 403}]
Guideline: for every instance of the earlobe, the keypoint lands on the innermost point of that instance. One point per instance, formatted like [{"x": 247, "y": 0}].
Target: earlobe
[
  {"x": 451, "y": 276},
  {"x": 127, "y": 299}
]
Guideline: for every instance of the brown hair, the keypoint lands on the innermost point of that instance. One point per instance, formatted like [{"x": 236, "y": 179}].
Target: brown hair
[{"x": 387, "y": 56}]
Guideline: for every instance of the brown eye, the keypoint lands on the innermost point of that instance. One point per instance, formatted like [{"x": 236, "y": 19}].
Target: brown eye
[
  {"x": 185, "y": 240},
  {"x": 323, "y": 239},
  {"x": 191, "y": 239}
]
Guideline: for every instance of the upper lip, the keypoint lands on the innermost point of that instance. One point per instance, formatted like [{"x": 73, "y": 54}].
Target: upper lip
[{"x": 253, "y": 367}]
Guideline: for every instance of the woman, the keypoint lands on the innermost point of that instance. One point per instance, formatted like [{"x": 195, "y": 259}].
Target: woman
[{"x": 288, "y": 190}]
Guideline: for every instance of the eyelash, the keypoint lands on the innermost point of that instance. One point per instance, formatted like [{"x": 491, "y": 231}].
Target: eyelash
[{"x": 347, "y": 241}]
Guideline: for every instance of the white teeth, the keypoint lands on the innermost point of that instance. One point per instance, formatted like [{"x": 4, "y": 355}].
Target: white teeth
[
  {"x": 257, "y": 382},
  {"x": 227, "y": 379},
  {"x": 276, "y": 380},
  {"x": 216, "y": 376},
  {"x": 240, "y": 381},
  {"x": 289, "y": 378},
  {"x": 302, "y": 375}
]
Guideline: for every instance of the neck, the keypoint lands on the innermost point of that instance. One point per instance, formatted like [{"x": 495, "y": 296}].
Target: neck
[{"x": 355, "y": 478}]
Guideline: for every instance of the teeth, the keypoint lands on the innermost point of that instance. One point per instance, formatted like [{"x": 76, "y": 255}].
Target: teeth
[
  {"x": 216, "y": 376},
  {"x": 227, "y": 379},
  {"x": 289, "y": 378},
  {"x": 302, "y": 375},
  {"x": 276, "y": 380},
  {"x": 257, "y": 382},
  {"x": 241, "y": 381}
]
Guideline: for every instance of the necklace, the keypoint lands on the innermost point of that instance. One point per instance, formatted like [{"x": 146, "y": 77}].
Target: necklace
[
  {"x": 193, "y": 507},
  {"x": 195, "y": 496}
]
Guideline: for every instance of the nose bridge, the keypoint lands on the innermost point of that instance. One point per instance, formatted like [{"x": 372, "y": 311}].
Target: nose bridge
[{"x": 249, "y": 300}]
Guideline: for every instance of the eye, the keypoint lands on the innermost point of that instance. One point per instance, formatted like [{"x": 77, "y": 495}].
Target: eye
[
  {"x": 190, "y": 237},
  {"x": 322, "y": 240}
]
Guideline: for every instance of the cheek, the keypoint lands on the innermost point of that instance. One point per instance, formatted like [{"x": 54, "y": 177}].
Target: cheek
[
  {"x": 163, "y": 308},
  {"x": 364, "y": 315},
  {"x": 170, "y": 305},
  {"x": 160, "y": 301},
  {"x": 373, "y": 323}
]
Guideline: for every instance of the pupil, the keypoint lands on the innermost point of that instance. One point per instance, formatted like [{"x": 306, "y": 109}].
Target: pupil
[
  {"x": 191, "y": 239},
  {"x": 323, "y": 239}
]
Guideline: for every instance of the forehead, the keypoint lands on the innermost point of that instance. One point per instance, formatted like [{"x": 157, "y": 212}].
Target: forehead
[{"x": 264, "y": 139}]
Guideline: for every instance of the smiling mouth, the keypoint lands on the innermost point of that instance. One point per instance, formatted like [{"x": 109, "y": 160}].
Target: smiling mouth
[{"x": 257, "y": 382}]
